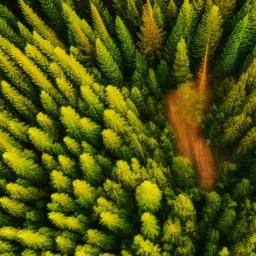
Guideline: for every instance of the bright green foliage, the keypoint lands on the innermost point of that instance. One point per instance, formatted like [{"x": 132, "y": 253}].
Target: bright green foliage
[
  {"x": 181, "y": 70},
  {"x": 40, "y": 139},
  {"x": 60, "y": 182},
  {"x": 91, "y": 103},
  {"x": 13, "y": 207},
  {"x": 61, "y": 202},
  {"x": 65, "y": 245},
  {"x": 248, "y": 142},
  {"x": 84, "y": 192},
  {"x": 127, "y": 43},
  {"x": 114, "y": 223},
  {"x": 22, "y": 166},
  {"x": 11, "y": 35},
  {"x": 172, "y": 231},
  {"x": 80, "y": 32},
  {"x": 115, "y": 100},
  {"x": 158, "y": 15},
  {"x": 125, "y": 175},
  {"x": 98, "y": 238},
  {"x": 183, "y": 172},
  {"x": 235, "y": 42},
  {"x": 34, "y": 20},
  {"x": 182, "y": 29},
  {"x": 148, "y": 196},
  {"x": 111, "y": 140},
  {"x": 133, "y": 13},
  {"x": 66, "y": 223},
  {"x": 53, "y": 9},
  {"x": 150, "y": 227},
  {"x": 33, "y": 240},
  {"x": 92, "y": 171},
  {"x": 19, "y": 192},
  {"x": 89, "y": 165},
  {"x": 145, "y": 247},
  {"x": 208, "y": 34},
  {"x": 108, "y": 65},
  {"x": 184, "y": 207},
  {"x": 15, "y": 75},
  {"x": 23, "y": 105}
]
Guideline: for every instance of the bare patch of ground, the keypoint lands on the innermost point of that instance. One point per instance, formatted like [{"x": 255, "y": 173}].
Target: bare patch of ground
[{"x": 185, "y": 108}]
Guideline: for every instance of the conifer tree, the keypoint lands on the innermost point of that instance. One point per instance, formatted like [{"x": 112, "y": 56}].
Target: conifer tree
[
  {"x": 235, "y": 42},
  {"x": 182, "y": 29},
  {"x": 148, "y": 196},
  {"x": 151, "y": 36},
  {"x": 35, "y": 21},
  {"x": 127, "y": 44},
  {"x": 88, "y": 161},
  {"x": 133, "y": 13},
  {"x": 208, "y": 34},
  {"x": 144, "y": 247},
  {"x": 226, "y": 7},
  {"x": 23, "y": 167},
  {"x": 107, "y": 64},
  {"x": 181, "y": 70},
  {"x": 150, "y": 228},
  {"x": 22, "y": 104}
]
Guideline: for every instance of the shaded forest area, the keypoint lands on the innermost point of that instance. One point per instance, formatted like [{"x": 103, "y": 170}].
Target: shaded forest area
[{"x": 89, "y": 163}]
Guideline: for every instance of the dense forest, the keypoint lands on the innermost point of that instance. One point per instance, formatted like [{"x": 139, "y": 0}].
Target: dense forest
[{"x": 98, "y": 99}]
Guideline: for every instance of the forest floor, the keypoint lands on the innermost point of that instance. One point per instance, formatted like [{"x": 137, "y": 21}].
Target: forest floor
[{"x": 185, "y": 109}]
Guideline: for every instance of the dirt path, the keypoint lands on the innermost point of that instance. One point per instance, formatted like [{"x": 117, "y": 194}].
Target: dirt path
[{"x": 191, "y": 143}]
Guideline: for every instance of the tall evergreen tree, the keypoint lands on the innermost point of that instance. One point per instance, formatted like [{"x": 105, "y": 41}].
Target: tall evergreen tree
[
  {"x": 181, "y": 29},
  {"x": 181, "y": 69},
  {"x": 151, "y": 36}
]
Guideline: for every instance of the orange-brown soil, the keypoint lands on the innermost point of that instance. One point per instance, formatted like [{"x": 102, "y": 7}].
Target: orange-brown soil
[{"x": 191, "y": 143}]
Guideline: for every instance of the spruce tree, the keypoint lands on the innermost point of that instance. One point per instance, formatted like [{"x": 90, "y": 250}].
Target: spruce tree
[
  {"x": 181, "y": 29},
  {"x": 151, "y": 36},
  {"x": 181, "y": 69}
]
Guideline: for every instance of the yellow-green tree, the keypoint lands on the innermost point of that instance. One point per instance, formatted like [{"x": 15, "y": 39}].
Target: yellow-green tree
[{"x": 151, "y": 36}]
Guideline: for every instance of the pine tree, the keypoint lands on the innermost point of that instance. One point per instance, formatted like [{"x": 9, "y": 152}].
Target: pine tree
[
  {"x": 100, "y": 239},
  {"x": 60, "y": 182},
  {"x": 107, "y": 64},
  {"x": 226, "y": 7},
  {"x": 67, "y": 223},
  {"x": 181, "y": 70},
  {"x": 84, "y": 192},
  {"x": 53, "y": 9},
  {"x": 23, "y": 167},
  {"x": 148, "y": 196},
  {"x": 10, "y": 34},
  {"x": 104, "y": 36},
  {"x": 151, "y": 36},
  {"x": 226, "y": 62},
  {"x": 22, "y": 104},
  {"x": 150, "y": 227},
  {"x": 81, "y": 34},
  {"x": 182, "y": 29},
  {"x": 247, "y": 143},
  {"x": 34, "y": 20},
  {"x": 133, "y": 13},
  {"x": 145, "y": 247},
  {"x": 127, "y": 44},
  {"x": 65, "y": 245},
  {"x": 13, "y": 207},
  {"x": 207, "y": 36}
]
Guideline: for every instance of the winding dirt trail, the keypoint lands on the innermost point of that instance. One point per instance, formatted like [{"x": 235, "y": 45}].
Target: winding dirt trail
[{"x": 191, "y": 143}]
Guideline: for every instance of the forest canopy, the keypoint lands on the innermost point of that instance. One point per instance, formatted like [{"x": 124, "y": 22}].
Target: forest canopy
[{"x": 90, "y": 164}]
